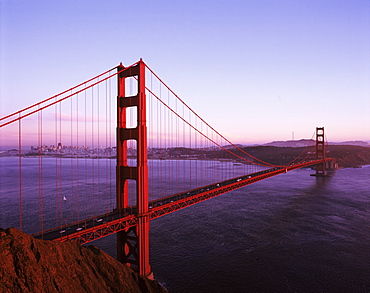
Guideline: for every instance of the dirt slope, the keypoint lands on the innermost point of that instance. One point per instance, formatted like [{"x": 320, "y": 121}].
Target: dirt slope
[{"x": 30, "y": 265}]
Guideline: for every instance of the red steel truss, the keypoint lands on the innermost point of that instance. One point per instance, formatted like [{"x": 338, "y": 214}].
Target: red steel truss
[{"x": 126, "y": 222}]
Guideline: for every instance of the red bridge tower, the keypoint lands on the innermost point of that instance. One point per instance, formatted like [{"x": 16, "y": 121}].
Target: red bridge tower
[
  {"x": 133, "y": 243},
  {"x": 320, "y": 152}
]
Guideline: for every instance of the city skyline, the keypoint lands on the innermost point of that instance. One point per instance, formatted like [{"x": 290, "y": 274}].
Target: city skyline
[{"x": 256, "y": 72}]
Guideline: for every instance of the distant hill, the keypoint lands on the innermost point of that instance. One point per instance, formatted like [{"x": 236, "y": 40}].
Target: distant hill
[
  {"x": 291, "y": 143},
  {"x": 350, "y": 155},
  {"x": 280, "y": 154},
  {"x": 353, "y": 142},
  {"x": 345, "y": 155},
  {"x": 305, "y": 142}
]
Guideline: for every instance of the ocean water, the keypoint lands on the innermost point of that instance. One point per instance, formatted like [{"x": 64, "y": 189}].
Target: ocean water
[{"x": 289, "y": 233}]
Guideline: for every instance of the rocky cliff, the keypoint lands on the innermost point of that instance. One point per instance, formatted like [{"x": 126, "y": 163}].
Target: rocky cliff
[{"x": 30, "y": 265}]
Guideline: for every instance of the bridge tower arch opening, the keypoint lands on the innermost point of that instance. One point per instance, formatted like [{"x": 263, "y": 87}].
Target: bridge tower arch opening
[{"x": 133, "y": 243}]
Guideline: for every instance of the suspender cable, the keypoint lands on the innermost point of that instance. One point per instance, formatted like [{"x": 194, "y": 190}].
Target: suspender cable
[
  {"x": 91, "y": 159},
  {"x": 71, "y": 153},
  {"x": 40, "y": 187},
  {"x": 98, "y": 149},
  {"x": 78, "y": 160},
  {"x": 106, "y": 149},
  {"x": 20, "y": 173},
  {"x": 60, "y": 167}
]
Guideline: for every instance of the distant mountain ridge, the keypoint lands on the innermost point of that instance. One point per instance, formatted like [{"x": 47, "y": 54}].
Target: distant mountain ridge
[
  {"x": 305, "y": 142},
  {"x": 352, "y": 142},
  {"x": 291, "y": 143}
]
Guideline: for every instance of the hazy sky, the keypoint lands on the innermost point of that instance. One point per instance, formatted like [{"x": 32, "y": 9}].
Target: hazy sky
[{"x": 255, "y": 70}]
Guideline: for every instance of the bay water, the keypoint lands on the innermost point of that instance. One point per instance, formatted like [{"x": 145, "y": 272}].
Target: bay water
[{"x": 289, "y": 233}]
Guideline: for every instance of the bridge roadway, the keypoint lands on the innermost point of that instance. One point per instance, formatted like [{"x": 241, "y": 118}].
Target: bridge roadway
[{"x": 100, "y": 226}]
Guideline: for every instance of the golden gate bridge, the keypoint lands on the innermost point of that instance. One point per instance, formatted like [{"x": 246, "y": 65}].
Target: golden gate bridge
[{"x": 161, "y": 149}]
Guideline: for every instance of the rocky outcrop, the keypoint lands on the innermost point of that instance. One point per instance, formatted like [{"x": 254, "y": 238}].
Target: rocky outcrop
[{"x": 31, "y": 265}]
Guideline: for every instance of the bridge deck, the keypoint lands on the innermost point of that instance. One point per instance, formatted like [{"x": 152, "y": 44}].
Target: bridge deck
[{"x": 100, "y": 226}]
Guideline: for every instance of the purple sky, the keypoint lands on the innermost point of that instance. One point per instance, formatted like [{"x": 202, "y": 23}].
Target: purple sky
[{"x": 255, "y": 70}]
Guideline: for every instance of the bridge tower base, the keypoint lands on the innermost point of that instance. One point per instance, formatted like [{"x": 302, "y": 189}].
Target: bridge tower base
[{"x": 133, "y": 243}]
